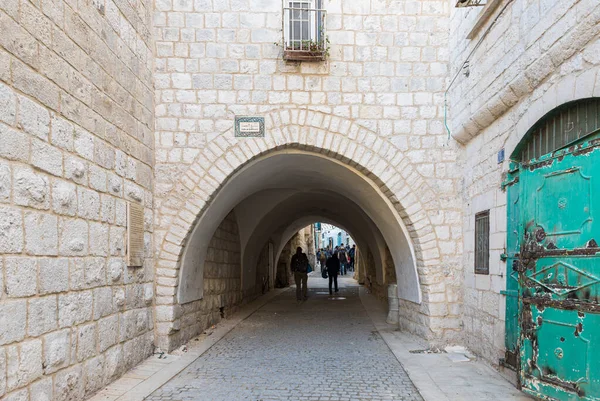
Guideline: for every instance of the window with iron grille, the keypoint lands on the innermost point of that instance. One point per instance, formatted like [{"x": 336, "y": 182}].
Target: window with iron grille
[
  {"x": 482, "y": 242},
  {"x": 300, "y": 26},
  {"x": 562, "y": 127},
  {"x": 304, "y": 30}
]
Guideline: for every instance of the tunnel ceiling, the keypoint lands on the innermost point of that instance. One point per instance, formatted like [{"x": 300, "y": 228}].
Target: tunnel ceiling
[{"x": 273, "y": 192}]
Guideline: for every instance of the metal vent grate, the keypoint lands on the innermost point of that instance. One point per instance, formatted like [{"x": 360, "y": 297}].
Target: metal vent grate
[
  {"x": 561, "y": 127},
  {"x": 482, "y": 242}
]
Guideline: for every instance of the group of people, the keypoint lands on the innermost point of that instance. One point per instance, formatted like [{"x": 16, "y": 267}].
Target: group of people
[
  {"x": 345, "y": 254},
  {"x": 335, "y": 261}
]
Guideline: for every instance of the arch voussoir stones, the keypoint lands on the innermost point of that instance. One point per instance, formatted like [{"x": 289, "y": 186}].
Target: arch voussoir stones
[{"x": 335, "y": 137}]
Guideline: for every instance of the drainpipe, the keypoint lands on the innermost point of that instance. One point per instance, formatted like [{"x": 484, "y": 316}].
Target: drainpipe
[{"x": 465, "y": 64}]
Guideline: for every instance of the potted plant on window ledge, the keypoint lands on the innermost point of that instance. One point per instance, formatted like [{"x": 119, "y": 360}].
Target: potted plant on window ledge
[{"x": 306, "y": 50}]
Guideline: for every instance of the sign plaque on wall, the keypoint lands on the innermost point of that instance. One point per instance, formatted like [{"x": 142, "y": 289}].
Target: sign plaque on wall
[
  {"x": 135, "y": 234},
  {"x": 249, "y": 127}
]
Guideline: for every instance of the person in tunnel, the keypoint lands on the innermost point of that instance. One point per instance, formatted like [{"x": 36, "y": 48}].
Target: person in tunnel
[
  {"x": 300, "y": 269},
  {"x": 343, "y": 259},
  {"x": 333, "y": 268},
  {"x": 322, "y": 258},
  {"x": 352, "y": 255}
]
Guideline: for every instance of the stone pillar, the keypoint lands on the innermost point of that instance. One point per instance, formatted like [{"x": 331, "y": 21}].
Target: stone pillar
[
  {"x": 311, "y": 250},
  {"x": 392, "y": 317},
  {"x": 359, "y": 267}
]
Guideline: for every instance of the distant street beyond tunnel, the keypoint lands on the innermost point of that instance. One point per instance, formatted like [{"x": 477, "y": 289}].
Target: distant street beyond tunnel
[{"x": 321, "y": 349}]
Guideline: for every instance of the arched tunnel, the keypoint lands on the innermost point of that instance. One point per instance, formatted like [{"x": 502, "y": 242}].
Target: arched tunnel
[{"x": 277, "y": 194}]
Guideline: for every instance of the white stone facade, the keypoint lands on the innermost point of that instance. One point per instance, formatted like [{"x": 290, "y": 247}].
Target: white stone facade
[
  {"x": 538, "y": 56},
  {"x": 332, "y": 234},
  {"x": 107, "y": 102},
  {"x": 222, "y": 286},
  {"x": 376, "y": 104},
  {"x": 76, "y": 144}
]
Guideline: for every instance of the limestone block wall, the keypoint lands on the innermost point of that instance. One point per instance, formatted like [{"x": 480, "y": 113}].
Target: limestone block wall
[
  {"x": 386, "y": 74},
  {"x": 262, "y": 273},
  {"x": 301, "y": 239},
  {"x": 76, "y": 144},
  {"x": 538, "y": 56},
  {"x": 380, "y": 290},
  {"x": 371, "y": 283},
  {"x": 284, "y": 278},
  {"x": 222, "y": 285}
]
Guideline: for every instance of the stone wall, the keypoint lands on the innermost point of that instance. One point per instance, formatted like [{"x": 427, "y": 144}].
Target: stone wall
[
  {"x": 284, "y": 278},
  {"x": 387, "y": 71},
  {"x": 303, "y": 239},
  {"x": 539, "y": 55},
  {"x": 222, "y": 285},
  {"x": 382, "y": 90},
  {"x": 262, "y": 273},
  {"x": 377, "y": 289},
  {"x": 76, "y": 144}
]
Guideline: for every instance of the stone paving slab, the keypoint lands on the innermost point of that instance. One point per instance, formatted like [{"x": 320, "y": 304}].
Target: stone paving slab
[
  {"x": 437, "y": 376},
  {"x": 154, "y": 372},
  {"x": 322, "y": 349},
  {"x": 341, "y": 344}
]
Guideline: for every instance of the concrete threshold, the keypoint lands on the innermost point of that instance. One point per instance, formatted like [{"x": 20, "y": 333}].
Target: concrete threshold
[
  {"x": 440, "y": 376},
  {"x": 141, "y": 381}
]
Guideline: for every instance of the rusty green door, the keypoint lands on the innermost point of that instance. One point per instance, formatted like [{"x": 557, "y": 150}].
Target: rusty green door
[{"x": 554, "y": 211}]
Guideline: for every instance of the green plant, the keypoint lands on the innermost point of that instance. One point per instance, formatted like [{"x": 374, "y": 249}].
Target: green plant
[{"x": 319, "y": 47}]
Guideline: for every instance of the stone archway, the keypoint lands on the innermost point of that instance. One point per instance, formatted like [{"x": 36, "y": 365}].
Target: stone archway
[{"x": 338, "y": 140}]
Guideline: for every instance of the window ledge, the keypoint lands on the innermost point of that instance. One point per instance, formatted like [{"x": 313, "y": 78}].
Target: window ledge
[
  {"x": 487, "y": 11},
  {"x": 304, "y": 55}
]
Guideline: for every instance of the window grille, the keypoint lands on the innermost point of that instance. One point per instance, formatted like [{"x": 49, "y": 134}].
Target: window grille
[
  {"x": 300, "y": 26},
  {"x": 482, "y": 242},
  {"x": 559, "y": 128},
  {"x": 304, "y": 30}
]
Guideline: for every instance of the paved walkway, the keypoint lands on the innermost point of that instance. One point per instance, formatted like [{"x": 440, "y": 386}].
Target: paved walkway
[
  {"x": 322, "y": 349},
  {"x": 274, "y": 349}
]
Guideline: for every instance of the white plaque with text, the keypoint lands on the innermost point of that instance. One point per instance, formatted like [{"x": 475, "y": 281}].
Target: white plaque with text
[{"x": 249, "y": 126}]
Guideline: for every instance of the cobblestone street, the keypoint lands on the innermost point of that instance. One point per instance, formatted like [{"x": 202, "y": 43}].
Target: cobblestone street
[{"x": 322, "y": 349}]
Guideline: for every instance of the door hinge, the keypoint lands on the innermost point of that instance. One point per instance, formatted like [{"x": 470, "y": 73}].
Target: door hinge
[{"x": 509, "y": 181}]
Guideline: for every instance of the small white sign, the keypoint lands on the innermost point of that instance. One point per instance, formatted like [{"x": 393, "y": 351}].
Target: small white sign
[{"x": 249, "y": 127}]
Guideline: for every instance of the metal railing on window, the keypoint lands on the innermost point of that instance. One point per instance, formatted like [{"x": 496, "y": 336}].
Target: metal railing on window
[{"x": 304, "y": 37}]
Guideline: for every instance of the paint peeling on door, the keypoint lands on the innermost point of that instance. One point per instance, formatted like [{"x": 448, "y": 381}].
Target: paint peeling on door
[{"x": 553, "y": 251}]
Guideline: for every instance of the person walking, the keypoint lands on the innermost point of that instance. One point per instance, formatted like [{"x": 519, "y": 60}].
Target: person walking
[
  {"x": 300, "y": 269},
  {"x": 322, "y": 258},
  {"x": 343, "y": 258},
  {"x": 352, "y": 254},
  {"x": 333, "y": 268}
]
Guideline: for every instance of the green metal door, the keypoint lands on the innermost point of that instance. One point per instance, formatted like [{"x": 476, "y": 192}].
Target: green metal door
[
  {"x": 557, "y": 261},
  {"x": 553, "y": 288},
  {"x": 515, "y": 230}
]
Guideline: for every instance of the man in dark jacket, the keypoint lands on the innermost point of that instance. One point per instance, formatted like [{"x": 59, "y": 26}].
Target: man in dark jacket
[
  {"x": 333, "y": 268},
  {"x": 300, "y": 270}
]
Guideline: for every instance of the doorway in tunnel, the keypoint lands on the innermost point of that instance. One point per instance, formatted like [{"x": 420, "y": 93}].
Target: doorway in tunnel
[{"x": 267, "y": 201}]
